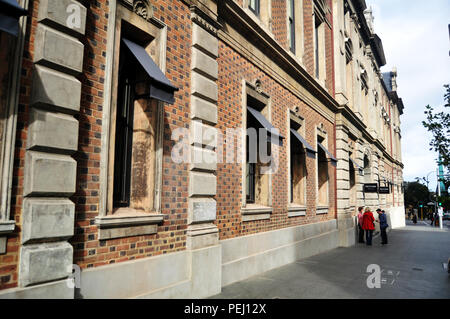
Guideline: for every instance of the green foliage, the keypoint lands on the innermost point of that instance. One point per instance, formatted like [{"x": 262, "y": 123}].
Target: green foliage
[
  {"x": 439, "y": 126},
  {"x": 416, "y": 193},
  {"x": 445, "y": 202}
]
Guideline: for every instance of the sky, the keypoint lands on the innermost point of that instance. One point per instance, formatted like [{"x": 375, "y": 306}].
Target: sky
[{"x": 415, "y": 38}]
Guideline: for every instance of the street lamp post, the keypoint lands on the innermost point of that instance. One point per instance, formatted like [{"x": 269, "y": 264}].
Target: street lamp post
[{"x": 427, "y": 180}]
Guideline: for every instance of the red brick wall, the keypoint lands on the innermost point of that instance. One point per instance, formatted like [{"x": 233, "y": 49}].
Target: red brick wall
[
  {"x": 232, "y": 69},
  {"x": 171, "y": 235}
]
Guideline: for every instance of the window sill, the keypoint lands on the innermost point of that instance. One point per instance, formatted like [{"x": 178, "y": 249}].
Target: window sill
[
  {"x": 127, "y": 223},
  {"x": 321, "y": 210},
  {"x": 295, "y": 210},
  {"x": 7, "y": 226},
  {"x": 253, "y": 212}
]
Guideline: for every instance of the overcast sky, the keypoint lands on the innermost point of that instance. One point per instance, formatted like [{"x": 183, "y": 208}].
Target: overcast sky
[{"x": 416, "y": 40}]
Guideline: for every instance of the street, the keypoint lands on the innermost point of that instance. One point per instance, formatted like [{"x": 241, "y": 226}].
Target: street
[{"x": 412, "y": 266}]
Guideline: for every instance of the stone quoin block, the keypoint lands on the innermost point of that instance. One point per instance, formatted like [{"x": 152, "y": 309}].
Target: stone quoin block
[
  {"x": 55, "y": 90},
  {"x": 45, "y": 218},
  {"x": 201, "y": 210},
  {"x": 203, "y": 159},
  {"x": 58, "y": 50},
  {"x": 203, "y": 87},
  {"x": 45, "y": 262},
  {"x": 49, "y": 174},
  {"x": 203, "y": 134},
  {"x": 204, "y": 40},
  {"x": 202, "y": 184},
  {"x": 204, "y": 63},
  {"x": 68, "y": 14},
  {"x": 52, "y": 130},
  {"x": 203, "y": 110}
]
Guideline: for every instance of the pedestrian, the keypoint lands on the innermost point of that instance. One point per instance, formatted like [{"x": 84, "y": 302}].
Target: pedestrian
[
  {"x": 432, "y": 219},
  {"x": 368, "y": 225},
  {"x": 360, "y": 222},
  {"x": 383, "y": 226},
  {"x": 415, "y": 217}
]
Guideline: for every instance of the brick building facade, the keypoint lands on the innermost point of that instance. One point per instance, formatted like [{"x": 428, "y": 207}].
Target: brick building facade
[{"x": 125, "y": 153}]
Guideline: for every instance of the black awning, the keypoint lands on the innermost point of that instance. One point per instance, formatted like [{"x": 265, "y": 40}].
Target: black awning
[
  {"x": 354, "y": 164},
  {"x": 160, "y": 86},
  {"x": 329, "y": 155},
  {"x": 10, "y": 12},
  {"x": 276, "y": 139},
  {"x": 308, "y": 147}
]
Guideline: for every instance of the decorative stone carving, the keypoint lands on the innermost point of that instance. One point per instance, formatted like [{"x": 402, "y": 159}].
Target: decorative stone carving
[
  {"x": 142, "y": 8},
  {"x": 203, "y": 20},
  {"x": 258, "y": 86}
]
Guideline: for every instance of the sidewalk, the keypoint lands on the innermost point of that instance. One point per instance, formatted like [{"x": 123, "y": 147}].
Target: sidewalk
[{"x": 411, "y": 267}]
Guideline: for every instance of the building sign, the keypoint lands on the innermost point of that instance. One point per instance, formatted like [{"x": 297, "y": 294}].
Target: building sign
[
  {"x": 384, "y": 190},
  {"x": 370, "y": 188}
]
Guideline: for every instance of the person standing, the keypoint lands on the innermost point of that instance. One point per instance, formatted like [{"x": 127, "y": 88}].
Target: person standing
[
  {"x": 368, "y": 225},
  {"x": 360, "y": 222},
  {"x": 383, "y": 226}
]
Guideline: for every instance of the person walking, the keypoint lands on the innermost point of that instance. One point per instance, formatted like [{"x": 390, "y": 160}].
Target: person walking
[
  {"x": 360, "y": 222},
  {"x": 415, "y": 216},
  {"x": 383, "y": 226},
  {"x": 368, "y": 225}
]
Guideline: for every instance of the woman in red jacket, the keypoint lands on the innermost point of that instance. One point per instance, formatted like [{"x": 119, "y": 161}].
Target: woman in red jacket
[{"x": 368, "y": 225}]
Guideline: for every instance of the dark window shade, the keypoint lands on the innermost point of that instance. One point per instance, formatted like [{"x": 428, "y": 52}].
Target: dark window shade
[
  {"x": 160, "y": 87},
  {"x": 10, "y": 12},
  {"x": 300, "y": 139},
  {"x": 273, "y": 138},
  {"x": 328, "y": 154}
]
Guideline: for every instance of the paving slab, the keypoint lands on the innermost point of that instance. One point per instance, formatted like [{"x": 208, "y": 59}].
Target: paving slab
[{"x": 411, "y": 268}]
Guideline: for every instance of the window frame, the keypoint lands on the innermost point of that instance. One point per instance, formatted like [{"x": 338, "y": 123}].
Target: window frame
[
  {"x": 291, "y": 26},
  {"x": 253, "y": 211},
  {"x": 257, "y": 9},
  {"x": 8, "y": 137},
  {"x": 156, "y": 31}
]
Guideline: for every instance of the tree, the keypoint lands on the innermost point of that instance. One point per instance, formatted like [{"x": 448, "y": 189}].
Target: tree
[
  {"x": 416, "y": 193},
  {"x": 439, "y": 126}
]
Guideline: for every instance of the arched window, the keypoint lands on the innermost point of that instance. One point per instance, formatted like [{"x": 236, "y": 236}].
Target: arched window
[{"x": 367, "y": 171}]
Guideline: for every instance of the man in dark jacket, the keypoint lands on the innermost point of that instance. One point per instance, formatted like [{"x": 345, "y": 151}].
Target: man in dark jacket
[{"x": 383, "y": 226}]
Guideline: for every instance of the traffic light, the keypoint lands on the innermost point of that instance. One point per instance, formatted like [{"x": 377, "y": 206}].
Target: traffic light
[
  {"x": 420, "y": 205},
  {"x": 440, "y": 204}
]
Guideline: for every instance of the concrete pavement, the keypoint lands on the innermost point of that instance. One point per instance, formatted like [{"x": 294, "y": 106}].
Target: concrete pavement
[{"x": 411, "y": 267}]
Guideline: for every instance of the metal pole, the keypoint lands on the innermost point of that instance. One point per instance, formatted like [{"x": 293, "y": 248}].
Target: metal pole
[{"x": 440, "y": 209}]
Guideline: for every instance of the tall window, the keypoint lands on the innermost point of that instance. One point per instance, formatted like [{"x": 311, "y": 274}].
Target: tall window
[
  {"x": 136, "y": 129},
  {"x": 322, "y": 171},
  {"x": 254, "y": 5},
  {"x": 291, "y": 25},
  {"x": 298, "y": 167},
  {"x": 352, "y": 181},
  {"x": 320, "y": 20},
  {"x": 257, "y": 183},
  {"x": 317, "y": 46},
  {"x": 124, "y": 130},
  {"x": 367, "y": 172}
]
